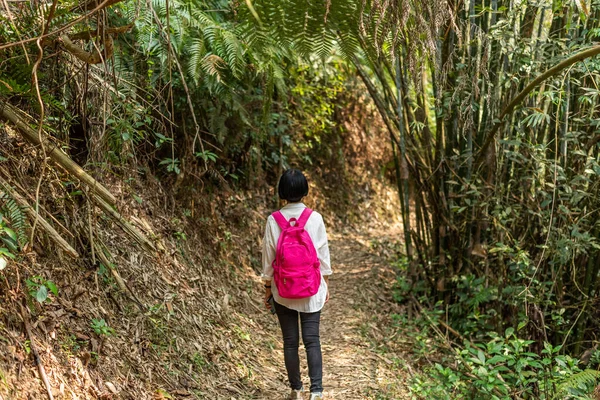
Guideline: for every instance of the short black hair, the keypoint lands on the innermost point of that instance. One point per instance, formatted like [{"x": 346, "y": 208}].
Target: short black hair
[{"x": 293, "y": 185}]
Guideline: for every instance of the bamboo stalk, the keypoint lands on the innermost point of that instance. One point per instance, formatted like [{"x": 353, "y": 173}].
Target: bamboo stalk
[
  {"x": 12, "y": 114},
  {"x": 402, "y": 173},
  {"x": 591, "y": 52}
]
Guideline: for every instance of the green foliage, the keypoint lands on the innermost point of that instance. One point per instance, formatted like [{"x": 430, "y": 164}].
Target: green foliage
[
  {"x": 314, "y": 97},
  {"x": 503, "y": 368},
  {"x": 101, "y": 328},
  {"x": 207, "y": 155},
  {"x": 578, "y": 384},
  {"x": 12, "y": 215},
  {"x": 172, "y": 165},
  {"x": 12, "y": 229},
  {"x": 40, "y": 288}
]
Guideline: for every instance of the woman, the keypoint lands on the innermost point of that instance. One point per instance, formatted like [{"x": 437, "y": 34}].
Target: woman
[{"x": 293, "y": 186}]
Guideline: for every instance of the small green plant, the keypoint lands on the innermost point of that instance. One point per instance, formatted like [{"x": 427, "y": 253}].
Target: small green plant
[
  {"x": 161, "y": 139},
  {"x": 70, "y": 345},
  {"x": 101, "y": 327},
  {"x": 172, "y": 165},
  {"x": 12, "y": 223},
  {"x": 10, "y": 240},
  {"x": 40, "y": 288},
  {"x": 199, "y": 361},
  {"x": 180, "y": 236},
  {"x": 207, "y": 156}
]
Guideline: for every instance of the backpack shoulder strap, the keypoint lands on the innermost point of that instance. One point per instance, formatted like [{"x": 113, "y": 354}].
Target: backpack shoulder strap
[
  {"x": 304, "y": 217},
  {"x": 280, "y": 219}
]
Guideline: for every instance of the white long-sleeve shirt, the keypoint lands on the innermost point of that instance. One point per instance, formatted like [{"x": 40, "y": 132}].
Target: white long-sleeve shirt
[{"x": 316, "y": 230}]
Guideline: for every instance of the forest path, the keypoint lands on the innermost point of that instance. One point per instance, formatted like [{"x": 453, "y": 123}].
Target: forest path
[{"x": 355, "y": 367}]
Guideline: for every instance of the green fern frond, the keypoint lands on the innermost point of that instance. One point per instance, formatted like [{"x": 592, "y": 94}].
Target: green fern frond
[
  {"x": 580, "y": 380},
  {"x": 196, "y": 52},
  {"x": 234, "y": 53},
  {"x": 15, "y": 216}
]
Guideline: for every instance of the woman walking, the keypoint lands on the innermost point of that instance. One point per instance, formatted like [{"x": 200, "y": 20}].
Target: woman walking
[{"x": 296, "y": 268}]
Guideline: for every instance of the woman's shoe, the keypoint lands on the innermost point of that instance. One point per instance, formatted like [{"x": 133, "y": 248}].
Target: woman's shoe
[
  {"x": 316, "y": 396},
  {"x": 296, "y": 395}
]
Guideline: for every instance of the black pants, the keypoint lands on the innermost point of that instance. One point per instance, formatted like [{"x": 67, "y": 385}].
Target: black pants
[{"x": 288, "y": 320}]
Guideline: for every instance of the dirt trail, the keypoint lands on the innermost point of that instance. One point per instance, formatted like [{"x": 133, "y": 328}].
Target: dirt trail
[{"x": 354, "y": 365}]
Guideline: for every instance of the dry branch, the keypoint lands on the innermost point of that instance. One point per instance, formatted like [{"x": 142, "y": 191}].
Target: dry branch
[
  {"x": 89, "y": 57},
  {"x": 102, "y": 197},
  {"x": 120, "y": 282},
  {"x": 94, "y": 4},
  {"x": 33, "y": 215},
  {"x": 11, "y": 114},
  {"x": 92, "y": 33},
  {"x": 125, "y": 225},
  {"x": 8, "y": 176},
  {"x": 101, "y": 6}
]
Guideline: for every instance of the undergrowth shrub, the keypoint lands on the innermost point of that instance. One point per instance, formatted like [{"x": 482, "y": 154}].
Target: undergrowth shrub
[
  {"x": 484, "y": 364},
  {"x": 505, "y": 368}
]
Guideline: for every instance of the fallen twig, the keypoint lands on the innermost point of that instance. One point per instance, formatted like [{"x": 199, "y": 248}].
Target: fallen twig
[
  {"x": 126, "y": 225},
  {"x": 120, "y": 282},
  {"x": 36, "y": 356}
]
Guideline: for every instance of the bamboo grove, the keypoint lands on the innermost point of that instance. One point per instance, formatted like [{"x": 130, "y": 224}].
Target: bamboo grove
[{"x": 498, "y": 180}]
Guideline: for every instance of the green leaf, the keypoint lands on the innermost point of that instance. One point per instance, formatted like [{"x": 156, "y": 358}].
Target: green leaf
[
  {"x": 52, "y": 287},
  {"x": 42, "y": 294},
  {"x": 12, "y": 244},
  {"x": 4, "y": 251},
  {"x": 10, "y": 233},
  {"x": 496, "y": 359},
  {"x": 481, "y": 356}
]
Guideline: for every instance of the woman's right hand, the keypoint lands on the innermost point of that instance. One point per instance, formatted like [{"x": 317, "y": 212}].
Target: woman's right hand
[{"x": 268, "y": 294}]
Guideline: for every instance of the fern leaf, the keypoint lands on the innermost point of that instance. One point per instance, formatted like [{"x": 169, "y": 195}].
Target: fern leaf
[
  {"x": 580, "y": 380},
  {"x": 15, "y": 216}
]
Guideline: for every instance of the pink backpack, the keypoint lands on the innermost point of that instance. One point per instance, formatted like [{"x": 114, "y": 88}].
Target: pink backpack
[{"x": 296, "y": 266}]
